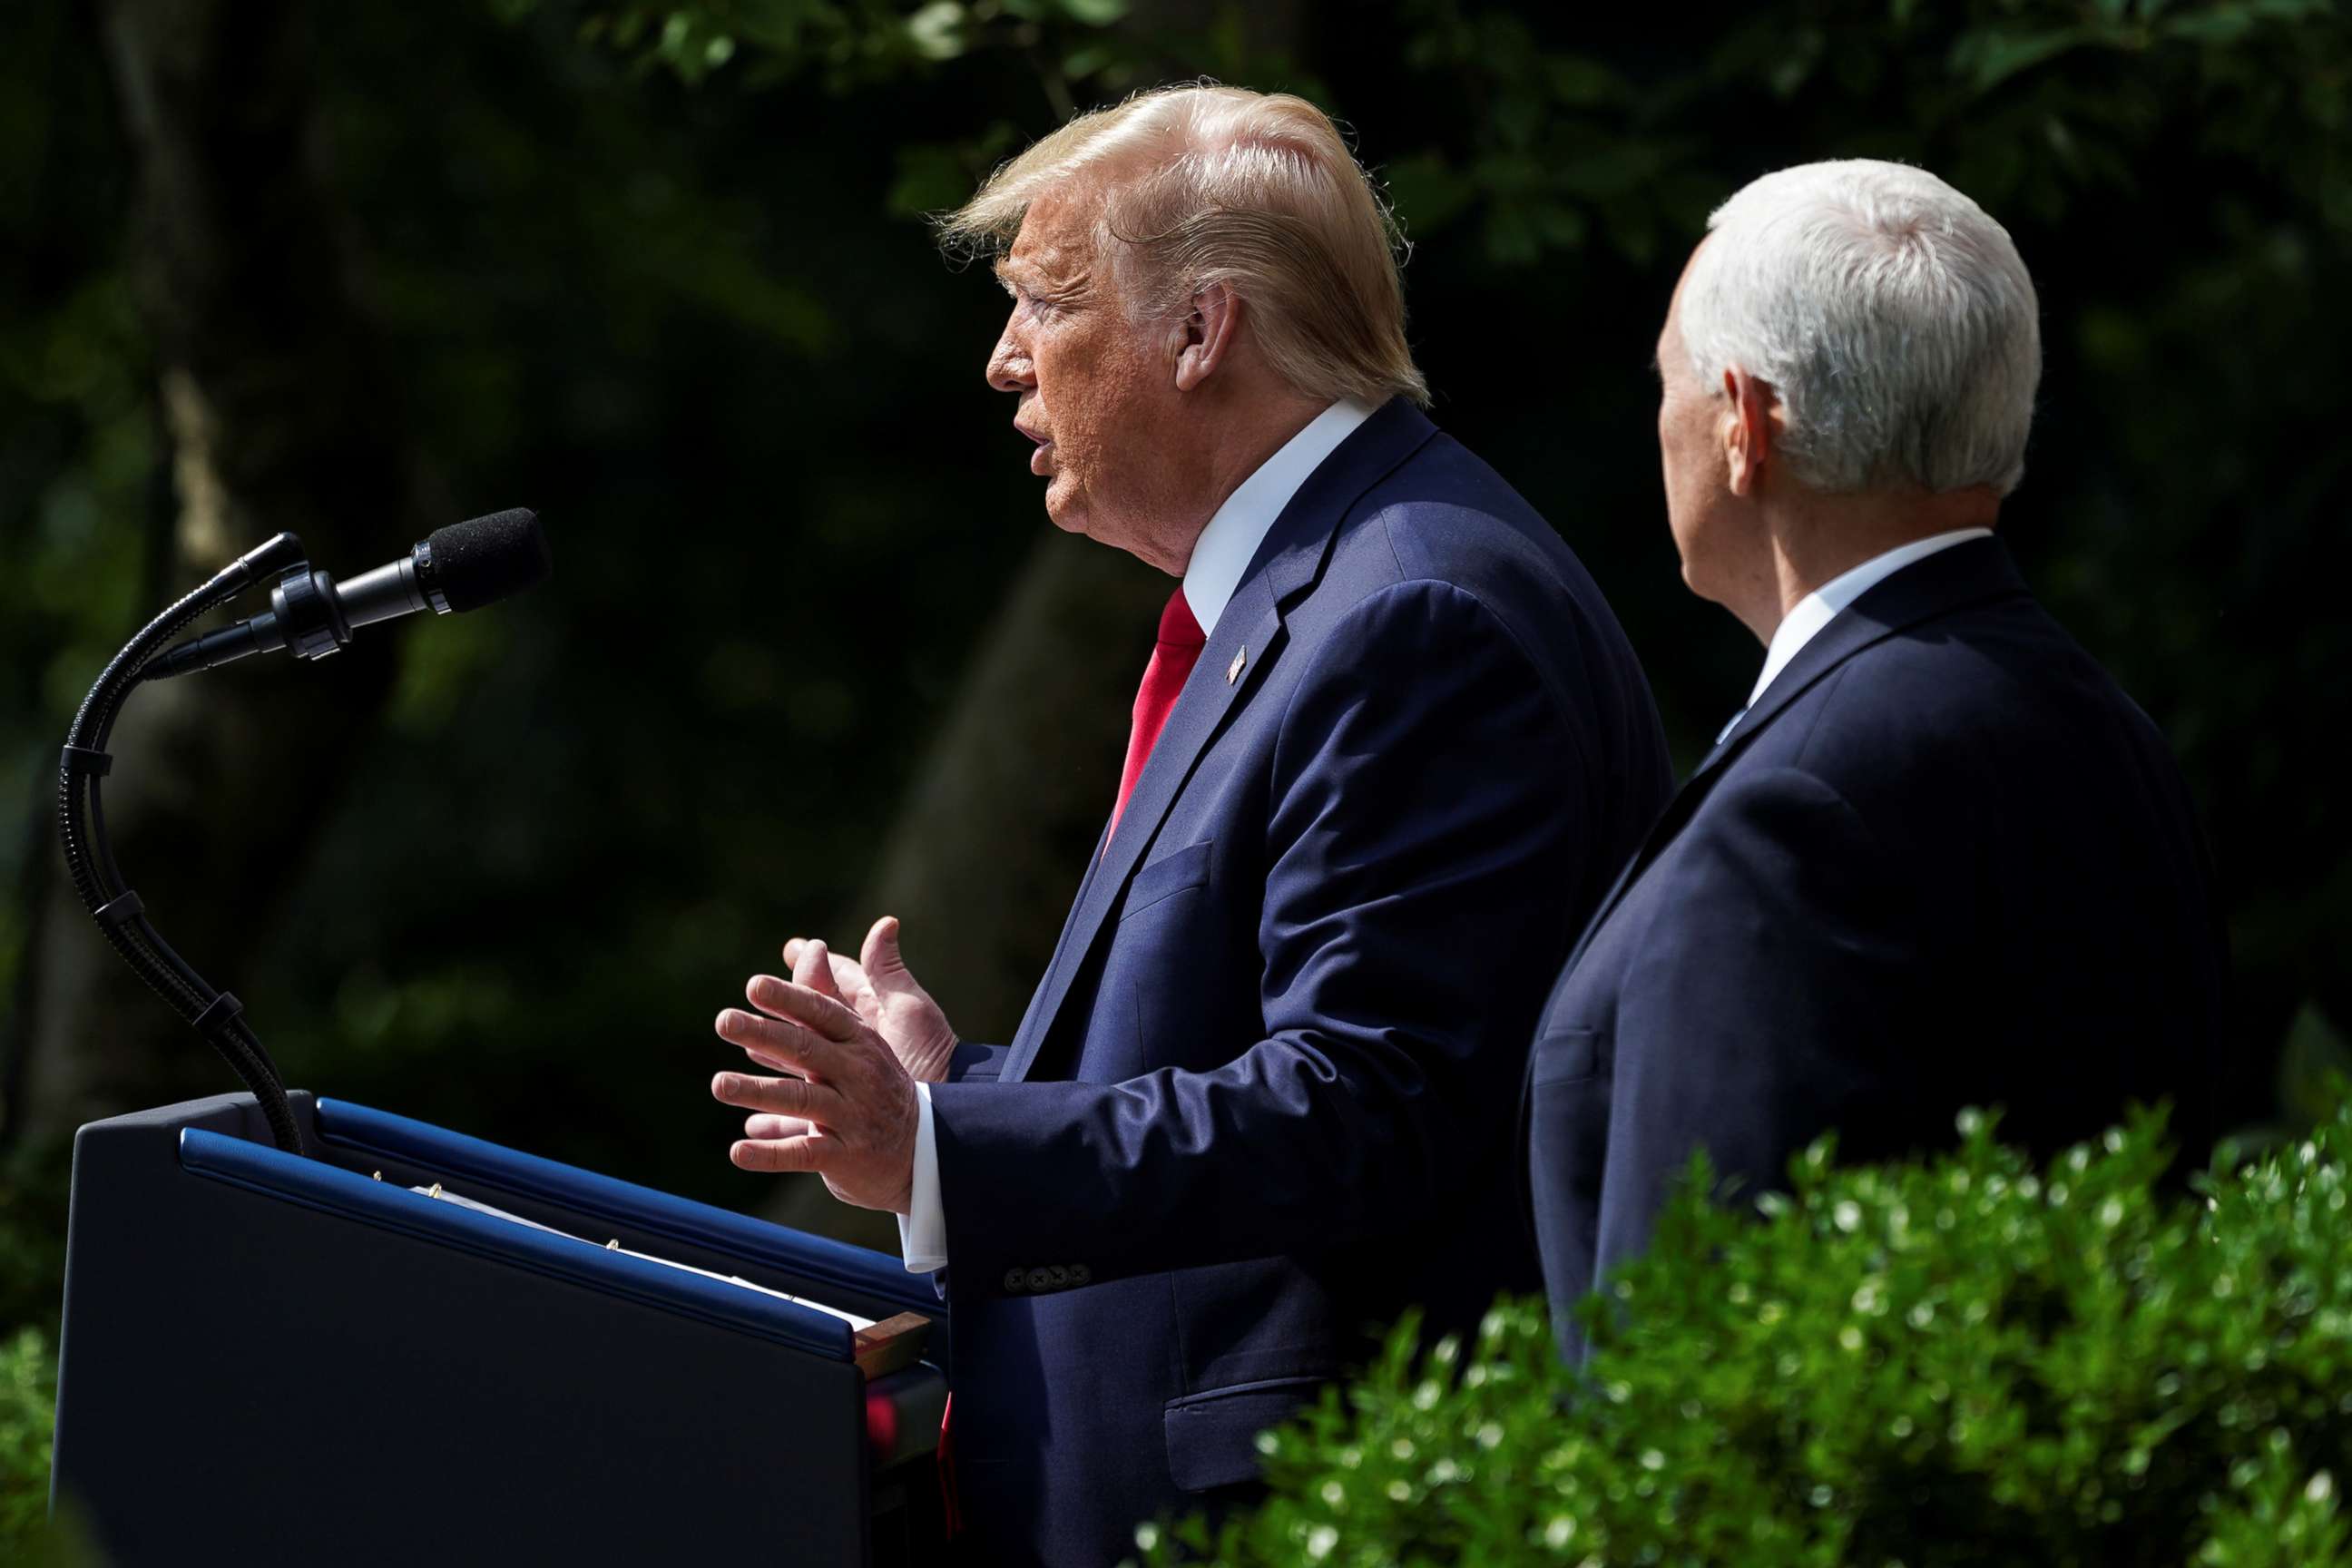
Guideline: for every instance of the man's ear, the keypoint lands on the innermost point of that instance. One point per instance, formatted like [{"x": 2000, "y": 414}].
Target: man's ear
[
  {"x": 1750, "y": 428},
  {"x": 1206, "y": 334}
]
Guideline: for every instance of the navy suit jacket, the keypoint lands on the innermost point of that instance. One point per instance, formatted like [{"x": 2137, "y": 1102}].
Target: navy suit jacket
[
  {"x": 1943, "y": 862},
  {"x": 1263, "y": 1099}
]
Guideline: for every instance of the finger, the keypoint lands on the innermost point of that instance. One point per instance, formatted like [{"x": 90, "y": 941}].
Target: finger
[
  {"x": 826, "y": 1015},
  {"x": 848, "y": 979},
  {"x": 776, "y": 1154},
  {"x": 781, "y": 1096},
  {"x": 779, "y": 1042},
  {"x": 814, "y": 969},
  {"x": 880, "y": 954},
  {"x": 773, "y": 1063},
  {"x": 768, "y": 1126}
]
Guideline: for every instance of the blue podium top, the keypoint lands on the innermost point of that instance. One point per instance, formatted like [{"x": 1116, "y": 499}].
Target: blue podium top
[{"x": 817, "y": 1266}]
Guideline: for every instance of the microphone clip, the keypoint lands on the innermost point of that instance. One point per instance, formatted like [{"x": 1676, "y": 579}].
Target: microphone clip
[{"x": 309, "y": 616}]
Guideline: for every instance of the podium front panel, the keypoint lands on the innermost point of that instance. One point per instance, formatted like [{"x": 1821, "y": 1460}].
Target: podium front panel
[{"x": 270, "y": 1359}]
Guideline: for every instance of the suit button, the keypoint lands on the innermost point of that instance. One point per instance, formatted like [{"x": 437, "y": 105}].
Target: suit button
[
  {"x": 1080, "y": 1273},
  {"x": 1058, "y": 1277},
  {"x": 1039, "y": 1278},
  {"x": 1015, "y": 1279}
]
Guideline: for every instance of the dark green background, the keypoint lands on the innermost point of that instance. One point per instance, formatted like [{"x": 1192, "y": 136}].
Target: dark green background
[{"x": 659, "y": 273}]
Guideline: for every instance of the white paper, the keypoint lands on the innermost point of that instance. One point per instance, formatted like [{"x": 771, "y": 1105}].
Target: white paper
[{"x": 442, "y": 1195}]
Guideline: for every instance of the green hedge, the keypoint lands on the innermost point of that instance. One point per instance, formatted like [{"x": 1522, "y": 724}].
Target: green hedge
[
  {"x": 1963, "y": 1361},
  {"x": 28, "y": 1391}
]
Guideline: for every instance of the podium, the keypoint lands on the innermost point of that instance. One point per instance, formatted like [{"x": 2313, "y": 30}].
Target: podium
[{"x": 272, "y": 1359}]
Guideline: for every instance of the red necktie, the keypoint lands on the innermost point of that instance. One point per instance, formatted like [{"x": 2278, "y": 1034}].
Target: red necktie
[
  {"x": 1172, "y": 657},
  {"x": 950, "y": 1501}
]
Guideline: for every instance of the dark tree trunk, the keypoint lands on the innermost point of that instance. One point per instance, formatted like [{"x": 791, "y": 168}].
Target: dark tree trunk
[
  {"x": 990, "y": 845},
  {"x": 993, "y": 840},
  {"x": 278, "y": 419}
]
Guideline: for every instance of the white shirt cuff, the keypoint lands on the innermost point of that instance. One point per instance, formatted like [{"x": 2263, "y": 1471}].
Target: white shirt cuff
[{"x": 923, "y": 1228}]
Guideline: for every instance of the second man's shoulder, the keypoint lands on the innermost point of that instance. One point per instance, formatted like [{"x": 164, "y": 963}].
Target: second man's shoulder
[{"x": 1981, "y": 705}]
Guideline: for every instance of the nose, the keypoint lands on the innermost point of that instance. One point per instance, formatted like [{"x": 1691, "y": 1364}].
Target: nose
[{"x": 1009, "y": 366}]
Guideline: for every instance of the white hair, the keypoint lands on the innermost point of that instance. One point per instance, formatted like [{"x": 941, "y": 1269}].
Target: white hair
[{"x": 1890, "y": 314}]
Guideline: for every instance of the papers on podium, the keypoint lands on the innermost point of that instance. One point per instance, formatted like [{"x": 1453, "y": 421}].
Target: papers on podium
[
  {"x": 881, "y": 1346},
  {"x": 443, "y": 1194}
]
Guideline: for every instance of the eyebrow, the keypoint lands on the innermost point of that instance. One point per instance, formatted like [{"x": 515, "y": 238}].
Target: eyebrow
[{"x": 1015, "y": 276}]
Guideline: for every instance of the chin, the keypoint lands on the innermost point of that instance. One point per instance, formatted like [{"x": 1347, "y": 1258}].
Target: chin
[
  {"x": 1705, "y": 586},
  {"x": 1683, "y": 556},
  {"x": 1692, "y": 579},
  {"x": 1692, "y": 537},
  {"x": 1066, "y": 515}
]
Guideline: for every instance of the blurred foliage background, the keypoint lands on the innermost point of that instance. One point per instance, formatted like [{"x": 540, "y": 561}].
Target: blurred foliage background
[{"x": 811, "y": 652}]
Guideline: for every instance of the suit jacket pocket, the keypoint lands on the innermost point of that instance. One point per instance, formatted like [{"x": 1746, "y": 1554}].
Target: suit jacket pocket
[
  {"x": 1212, "y": 1435},
  {"x": 1167, "y": 877},
  {"x": 1568, "y": 1128},
  {"x": 1566, "y": 1055}
]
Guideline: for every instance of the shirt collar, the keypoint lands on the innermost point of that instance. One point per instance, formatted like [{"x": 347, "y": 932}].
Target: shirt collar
[
  {"x": 1227, "y": 545},
  {"x": 1821, "y": 606}
]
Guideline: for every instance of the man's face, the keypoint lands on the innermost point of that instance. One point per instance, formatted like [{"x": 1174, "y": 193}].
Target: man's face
[
  {"x": 1096, "y": 391},
  {"x": 1701, "y": 510}
]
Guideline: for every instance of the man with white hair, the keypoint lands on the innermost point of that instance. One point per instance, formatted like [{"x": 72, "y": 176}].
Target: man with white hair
[
  {"x": 1939, "y": 859},
  {"x": 1387, "y": 751}
]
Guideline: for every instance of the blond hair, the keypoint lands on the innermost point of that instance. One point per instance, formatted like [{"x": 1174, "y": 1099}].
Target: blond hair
[{"x": 1201, "y": 185}]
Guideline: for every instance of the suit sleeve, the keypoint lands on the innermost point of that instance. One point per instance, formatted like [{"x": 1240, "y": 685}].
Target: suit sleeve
[
  {"x": 1773, "y": 990},
  {"x": 1427, "y": 830},
  {"x": 969, "y": 1063}
]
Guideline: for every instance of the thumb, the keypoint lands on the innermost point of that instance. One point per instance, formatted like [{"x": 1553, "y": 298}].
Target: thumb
[{"x": 880, "y": 955}]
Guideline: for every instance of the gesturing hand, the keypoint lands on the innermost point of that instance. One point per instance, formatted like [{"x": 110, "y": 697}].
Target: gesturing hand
[
  {"x": 850, "y": 1115},
  {"x": 877, "y": 984}
]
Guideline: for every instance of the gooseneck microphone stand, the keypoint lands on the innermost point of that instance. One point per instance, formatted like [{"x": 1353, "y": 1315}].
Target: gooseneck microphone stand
[{"x": 214, "y": 1013}]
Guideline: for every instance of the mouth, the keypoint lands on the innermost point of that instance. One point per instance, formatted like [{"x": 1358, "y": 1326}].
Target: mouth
[{"x": 1043, "y": 455}]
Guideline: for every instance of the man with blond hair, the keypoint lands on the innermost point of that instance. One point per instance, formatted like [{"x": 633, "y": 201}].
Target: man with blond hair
[
  {"x": 1939, "y": 859},
  {"x": 1389, "y": 748}
]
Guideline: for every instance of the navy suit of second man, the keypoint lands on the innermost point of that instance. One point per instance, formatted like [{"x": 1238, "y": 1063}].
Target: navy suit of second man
[{"x": 1939, "y": 859}]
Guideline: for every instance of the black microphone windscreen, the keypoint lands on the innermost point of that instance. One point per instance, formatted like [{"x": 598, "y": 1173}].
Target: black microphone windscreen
[{"x": 484, "y": 559}]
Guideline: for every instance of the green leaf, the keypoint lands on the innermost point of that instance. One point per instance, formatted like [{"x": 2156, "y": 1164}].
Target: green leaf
[
  {"x": 1967, "y": 1359},
  {"x": 931, "y": 177},
  {"x": 1091, "y": 60},
  {"x": 2218, "y": 27},
  {"x": 2314, "y": 1064},
  {"x": 937, "y": 30},
  {"x": 1428, "y": 191},
  {"x": 1578, "y": 82},
  {"x": 1798, "y": 55},
  {"x": 1987, "y": 58}
]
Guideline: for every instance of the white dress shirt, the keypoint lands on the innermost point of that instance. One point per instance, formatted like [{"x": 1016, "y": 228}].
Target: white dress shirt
[
  {"x": 1819, "y": 607},
  {"x": 1219, "y": 556}
]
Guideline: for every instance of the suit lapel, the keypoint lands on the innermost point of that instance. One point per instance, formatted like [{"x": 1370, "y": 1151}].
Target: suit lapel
[
  {"x": 1021, "y": 1050},
  {"x": 1953, "y": 579},
  {"x": 1288, "y": 564}
]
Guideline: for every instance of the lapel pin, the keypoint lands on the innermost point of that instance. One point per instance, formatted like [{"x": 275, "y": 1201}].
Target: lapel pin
[{"x": 1234, "y": 670}]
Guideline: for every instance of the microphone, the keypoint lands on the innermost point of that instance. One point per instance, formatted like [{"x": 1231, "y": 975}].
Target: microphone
[{"x": 461, "y": 567}]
